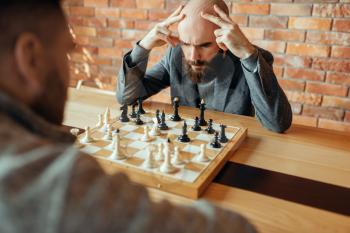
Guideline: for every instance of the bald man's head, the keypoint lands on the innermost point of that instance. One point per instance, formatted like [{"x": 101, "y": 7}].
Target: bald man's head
[{"x": 197, "y": 34}]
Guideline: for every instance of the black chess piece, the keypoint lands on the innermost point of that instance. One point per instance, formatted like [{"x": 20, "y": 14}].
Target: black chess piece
[
  {"x": 163, "y": 125},
  {"x": 124, "y": 115},
  {"x": 138, "y": 119},
  {"x": 184, "y": 137},
  {"x": 133, "y": 112},
  {"x": 210, "y": 129},
  {"x": 140, "y": 107},
  {"x": 196, "y": 126},
  {"x": 223, "y": 138},
  {"x": 176, "y": 116},
  {"x": 202, "y": 108},
  {"x": 215, "y": 143},
  {"x": 158, "y": 116}
]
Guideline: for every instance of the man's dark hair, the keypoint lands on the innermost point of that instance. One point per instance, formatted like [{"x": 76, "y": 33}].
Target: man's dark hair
[{"x": 34, "y": 16}]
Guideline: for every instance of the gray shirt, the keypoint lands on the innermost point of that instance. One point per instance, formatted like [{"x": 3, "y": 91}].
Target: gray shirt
[
  {"x": 47, "y": 186},
  {"x": 244, "y": 87}
]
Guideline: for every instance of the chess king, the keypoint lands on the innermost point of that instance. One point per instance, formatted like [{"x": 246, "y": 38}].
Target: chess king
[
  {"x": 46, "y": 185},
  {"x": 208, "y": 58}
]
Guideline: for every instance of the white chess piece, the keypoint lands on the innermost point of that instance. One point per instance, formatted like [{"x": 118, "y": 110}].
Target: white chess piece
[
  {"x": 100, "y": 122},
  {"x": 113, "y": 143},
  {"x": 166, "y": 166},
  {"x": 117, "y": 153},
  {"x": 202, "y": 156},
  {"x": 150, "y": 161},
  {"x": 75, "y": 132},
  {"x": 146, "y": 137},
  {"x": 87, "y": 137},
  {"x": 155, "y": 131},
  {"x": 160, "y": 155},
  {"x": 176, "y": 158},
  {"x": 106, "y": 120},
  {"x": 108, "y": 135}
]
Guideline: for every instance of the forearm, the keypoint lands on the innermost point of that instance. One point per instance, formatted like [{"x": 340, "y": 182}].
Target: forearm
[
  {"x": 271, "y": 104},
  {"x": 130, "y": 81}
]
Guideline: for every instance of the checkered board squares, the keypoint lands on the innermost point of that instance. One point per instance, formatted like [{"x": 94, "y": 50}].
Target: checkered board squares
[{"x": 136, "y": 150}]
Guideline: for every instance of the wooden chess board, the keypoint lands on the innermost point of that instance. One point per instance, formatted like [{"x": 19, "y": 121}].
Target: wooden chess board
[{"x": 190, "y": 179}]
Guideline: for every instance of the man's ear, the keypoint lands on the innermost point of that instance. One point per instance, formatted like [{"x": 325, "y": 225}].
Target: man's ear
[{"x": 30, "y": 60}]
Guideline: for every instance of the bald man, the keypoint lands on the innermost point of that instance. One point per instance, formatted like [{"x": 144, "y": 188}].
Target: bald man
[{"x": 209, "y": 59}]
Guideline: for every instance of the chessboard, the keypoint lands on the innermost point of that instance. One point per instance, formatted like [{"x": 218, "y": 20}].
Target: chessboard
[{"x": 190, "y": 173}]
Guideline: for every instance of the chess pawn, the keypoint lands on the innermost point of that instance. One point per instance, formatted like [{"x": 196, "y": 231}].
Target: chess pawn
[
  {"x": 146, "y": 137},
  {"x": 155, "y": 130},
  {"x": 117, "y": 153},
  {"x": 100, "y": 122},
  {"x": 150, "y": 161},
  {"x": 109, "y": 135},
  {"x": 87, "y": 137},
  {"x": 166, "y": 166},
  {"x": 176, "y": 158},
  {"x": 202, "y": 157},
  {"x": 160, "y": 155}
]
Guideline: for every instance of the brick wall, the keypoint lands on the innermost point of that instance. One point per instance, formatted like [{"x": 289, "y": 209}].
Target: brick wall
[{"x": 309, "y": 39}]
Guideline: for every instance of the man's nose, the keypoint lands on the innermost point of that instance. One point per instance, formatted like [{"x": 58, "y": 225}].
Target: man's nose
[{"x": 194, "y": 54}]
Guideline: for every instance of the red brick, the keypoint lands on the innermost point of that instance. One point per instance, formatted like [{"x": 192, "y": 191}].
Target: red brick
[
  {"x": 291, "y": 85},
  {"x": 108, "y": 32},
  {"x": 241, "y": 20},
  {"x": 322, "y": 112},
  {"x": 107, "y": 71},
  {"x": 268, "y": 21},
  {"x": 124, "y": 44},
  {"x": 339, "y": 78},
  {"x": 150, "y": 4},
  {"x": 84, "y": 31},
  {"x": 89, "y": 22},
  {"x": 285, "y": 35},
  {"x": 304, "y": 98},
  {"x": 347, "y": 116},
  {"x": 73, "y": 3},
  {"x": 144, "y": 25},
  {"x": 81, "y": 40},
  {"x": 331, "y": 10},
  {"x": 102, "y": 61},
  {"x": 278, "y": 70},
  {"x": 331, "y": 65},
  {"x": 334, "y": 125},
  {"x": 341, "y": 25},
  {"x": 340, "y": 52},
  {"x": 291, "y": 9},
  {"x": 123, "y": 3},
  {"x": 308, "y": 50},
  {"x": 158, "y": 15},
  {"x": 96, "y": 3},
  {"x": 331, "y": 101},
  {"x": 253, "y": 33},
  {"x": 316, "y": 1},
  {"x": 310, "y": 23},
  {"x": 306, "y": 74},
  {"x": 292, "y": 61},
  {"x": 101, "y": 42},
  {"x": 305, "y": 120},
  {"x": 107, "y": 12},
  {"x": 110, "y": 52},
  {"x": 121, "y": 23},
  {"x": 134, "y": 14},
  {"x": 328, "y": 38},
  {"x": 327, "y": 89},
  {"x": 251, "y": 9},
  {"x": 82, "y": 11},
  {"x": 272, "y": 46}
]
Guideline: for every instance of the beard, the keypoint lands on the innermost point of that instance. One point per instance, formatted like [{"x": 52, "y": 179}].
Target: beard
[
  {"x": 193, "y": 75},
  {"x": 51, "y": 102}
]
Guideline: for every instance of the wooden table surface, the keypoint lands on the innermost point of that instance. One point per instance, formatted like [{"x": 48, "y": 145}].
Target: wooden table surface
[{"x": 293, "y": 182}]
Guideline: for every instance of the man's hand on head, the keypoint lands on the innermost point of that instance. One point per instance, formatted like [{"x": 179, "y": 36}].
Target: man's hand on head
[
  {"x": 161, "y": 34},
  {"x": 229, "y": 36}
]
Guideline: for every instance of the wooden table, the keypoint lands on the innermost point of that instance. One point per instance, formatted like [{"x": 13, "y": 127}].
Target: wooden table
[{"x": 293, "y": 182}]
